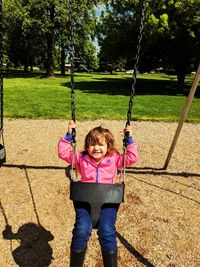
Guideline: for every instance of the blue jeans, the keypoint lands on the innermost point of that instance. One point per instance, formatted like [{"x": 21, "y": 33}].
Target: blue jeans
[{"x": 105, "y": 227}]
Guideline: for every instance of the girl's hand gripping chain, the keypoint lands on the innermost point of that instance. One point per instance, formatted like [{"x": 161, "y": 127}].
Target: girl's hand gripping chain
[
  {"x": 72, "y": 130},
  {"x": 71, "y": 126},
  {"x": 127, "y": 134},
  {"x": 128, "y": 130}
]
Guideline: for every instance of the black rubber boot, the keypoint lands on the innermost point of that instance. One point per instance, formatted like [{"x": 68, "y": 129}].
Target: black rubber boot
[
  {"x": 110, "y": 258},
  {"x": 77, "y": 258}
]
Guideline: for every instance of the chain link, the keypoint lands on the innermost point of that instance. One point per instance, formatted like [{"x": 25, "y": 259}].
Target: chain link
[
  {"x": 135, "y": 69},
  {"x": 72, "y": 58},
  {"x": 132, "y": 92},
  {"x": 1, "y": 67},
  {"x": 72, "y": 85}
]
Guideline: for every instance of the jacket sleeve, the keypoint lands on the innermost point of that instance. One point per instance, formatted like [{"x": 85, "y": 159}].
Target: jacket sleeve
[
  {"x": 132, "y": 156},
  {"x": 65, "y": 150}
]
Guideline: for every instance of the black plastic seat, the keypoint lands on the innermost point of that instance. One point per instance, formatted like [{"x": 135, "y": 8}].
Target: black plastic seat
[{"x": 96, "y": 195}]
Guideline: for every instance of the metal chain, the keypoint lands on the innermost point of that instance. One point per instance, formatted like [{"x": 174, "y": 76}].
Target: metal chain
[
  {"x": 1, "y": 66},
  {"x": 2, "y": 148},
  {"x": 135, "y": 69},
  {"x": 132, "y": 92},
  {"x": 71, "y": 58},
  {"x": 72, "y": 84}
]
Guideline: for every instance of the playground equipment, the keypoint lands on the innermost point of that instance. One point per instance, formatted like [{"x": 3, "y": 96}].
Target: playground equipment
[
  {"x": 2, "y": 147},
  {"x": 183, "y": 116},
  {"x": 94, "y": 193}
]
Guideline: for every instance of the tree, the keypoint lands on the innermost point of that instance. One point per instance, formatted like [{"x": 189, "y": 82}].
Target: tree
[
  {"x": 117, "y": 33},
  {"x": 35, "y": 29},
  {"x": 180, "y": 37},
  {"x": 82, "y": 18},
  {"x": 25, "y": 26},
  {"x": 171, "y": 35}
]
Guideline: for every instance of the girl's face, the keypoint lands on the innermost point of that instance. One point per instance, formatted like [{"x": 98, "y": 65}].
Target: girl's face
[{"x": 98, "y": 150}]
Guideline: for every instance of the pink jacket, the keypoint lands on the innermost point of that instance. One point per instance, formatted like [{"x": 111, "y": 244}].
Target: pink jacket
[{"x": 103, "y": 172}]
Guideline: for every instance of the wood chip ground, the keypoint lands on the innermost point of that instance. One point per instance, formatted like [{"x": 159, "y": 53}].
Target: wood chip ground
[{"x": 158, "y": 224}]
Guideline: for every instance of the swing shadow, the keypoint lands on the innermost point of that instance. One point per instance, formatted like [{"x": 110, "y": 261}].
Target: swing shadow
[
  {"x": 160, "y": 171},
  {"x": 152, "y": 172},
  {"x": 133, "y": 170},
  {"x": 34, "y": 249},
  {"x": 157, "y": 171},
  {"x": 133, "y": 251}
]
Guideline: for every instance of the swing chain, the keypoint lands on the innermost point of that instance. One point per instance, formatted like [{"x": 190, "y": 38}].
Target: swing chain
[
  {"x": 1, "y": 67},
  {"x": 72, "y": 85},
  {"x": 2, "y": 149},
  {"x": 71, "y": 56},
  {"x": 132, "y": 92},
  {"x": 135, "y": 69}
]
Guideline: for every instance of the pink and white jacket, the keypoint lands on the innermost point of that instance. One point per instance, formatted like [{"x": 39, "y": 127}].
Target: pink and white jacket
[{"x": 103, "y": 172}]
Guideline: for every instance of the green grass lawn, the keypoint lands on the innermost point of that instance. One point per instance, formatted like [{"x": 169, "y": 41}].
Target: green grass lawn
[{"x": 96, "y": 96}]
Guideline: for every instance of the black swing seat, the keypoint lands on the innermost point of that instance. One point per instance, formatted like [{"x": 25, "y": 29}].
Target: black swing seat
[
  {"x": 2, "y": 154},
  {"x": 96, "y": 195}
]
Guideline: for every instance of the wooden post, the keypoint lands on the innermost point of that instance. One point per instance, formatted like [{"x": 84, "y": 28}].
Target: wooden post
[{"x": 183, "y": 116}]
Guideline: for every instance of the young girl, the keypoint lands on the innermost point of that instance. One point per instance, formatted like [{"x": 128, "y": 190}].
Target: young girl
[{"x": 97, "y": 163}]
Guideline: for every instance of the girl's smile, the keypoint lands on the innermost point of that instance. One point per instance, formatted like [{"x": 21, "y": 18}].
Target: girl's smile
[{"x": 97, "y": 151}]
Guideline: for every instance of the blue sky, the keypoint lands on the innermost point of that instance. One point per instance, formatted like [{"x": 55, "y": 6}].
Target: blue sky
[{"x": 99, "y": 9}]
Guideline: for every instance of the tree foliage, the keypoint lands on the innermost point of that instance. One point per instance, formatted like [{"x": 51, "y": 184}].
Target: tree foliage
[
  {"x": 38, "y": 33},
  {"x": 170, "y": 41},
  {"x": 35, "y": 29}
]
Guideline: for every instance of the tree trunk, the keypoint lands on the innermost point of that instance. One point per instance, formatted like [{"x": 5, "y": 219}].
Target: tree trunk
[
  {"x": 26, "y": 68},
  {"x": 26, "y": 62},
  {"x": 62, "y": 59},
  {"x": 50, "y": 45},
  {"x": 181, "y": 82}
]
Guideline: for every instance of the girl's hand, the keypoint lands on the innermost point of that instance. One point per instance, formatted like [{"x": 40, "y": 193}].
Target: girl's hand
[
  {"x": 71, "y": 125},
  {"x": 128, "y": 130}
]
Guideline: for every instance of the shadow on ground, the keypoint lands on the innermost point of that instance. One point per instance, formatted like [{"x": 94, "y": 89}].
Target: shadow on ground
[{"x": 34, "y": 249}]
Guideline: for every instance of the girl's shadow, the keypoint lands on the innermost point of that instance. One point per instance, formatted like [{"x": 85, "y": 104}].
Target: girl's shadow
[{"x": 34, "y": 249}]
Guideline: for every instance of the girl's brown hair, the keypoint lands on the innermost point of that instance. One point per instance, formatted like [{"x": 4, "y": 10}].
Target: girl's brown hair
[{"x": 96, "y": 135}]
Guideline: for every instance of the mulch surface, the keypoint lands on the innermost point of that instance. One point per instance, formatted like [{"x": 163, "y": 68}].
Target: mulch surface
[{"x": 158, "y": 224}]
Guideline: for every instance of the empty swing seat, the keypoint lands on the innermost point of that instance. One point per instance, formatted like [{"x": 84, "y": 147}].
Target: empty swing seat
[{"x": 96, "y": 195}]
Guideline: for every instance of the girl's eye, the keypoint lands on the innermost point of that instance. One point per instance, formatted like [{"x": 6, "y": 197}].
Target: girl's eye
[{"x": 102, "y": 144}]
